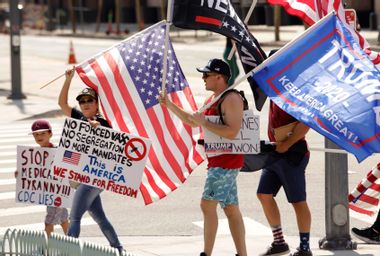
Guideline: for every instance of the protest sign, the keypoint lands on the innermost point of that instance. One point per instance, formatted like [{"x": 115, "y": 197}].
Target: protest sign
[
  {"x": 36, "y": 183},
  {"x": 101, "y": 157},
  {"x": 246, "y": 142}
]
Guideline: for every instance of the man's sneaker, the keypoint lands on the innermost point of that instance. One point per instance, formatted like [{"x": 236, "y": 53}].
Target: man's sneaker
[
  {"x": 203, "y": 254},
  {"x": 368, "y": 235},
  {"x": 276, "y": 249},
  {"x": 302, "y": 253}
]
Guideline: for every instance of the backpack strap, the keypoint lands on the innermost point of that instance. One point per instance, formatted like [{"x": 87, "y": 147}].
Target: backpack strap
[{"x": 219, "y": 108}]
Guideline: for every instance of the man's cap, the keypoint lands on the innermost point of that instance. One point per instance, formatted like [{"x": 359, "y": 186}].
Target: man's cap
[
  {"x": 40, "y": 125},
  {"x": 87, "y": 92},
  {"x": 218, "y": 66}
]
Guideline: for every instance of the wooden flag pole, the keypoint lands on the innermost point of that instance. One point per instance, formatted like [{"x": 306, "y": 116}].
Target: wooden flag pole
[
  {"x": 55, "y": 79},
  {"x": 165, "y": 63}
]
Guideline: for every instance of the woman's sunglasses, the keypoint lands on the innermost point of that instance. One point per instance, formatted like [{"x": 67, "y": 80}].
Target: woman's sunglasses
[{"x": 81, "y": 102}]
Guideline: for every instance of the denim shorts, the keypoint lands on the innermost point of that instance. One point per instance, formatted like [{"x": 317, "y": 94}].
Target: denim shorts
[
  {"x": 284, "y": 174},
  {"x": 221, "y": 186},
  {"x": 56, "y": 215}
]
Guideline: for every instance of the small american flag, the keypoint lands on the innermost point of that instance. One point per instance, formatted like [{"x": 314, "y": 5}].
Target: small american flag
[
  {"x": 310, "y": 11},
  {"x": 365, "y": 197},
  {"x": 128, "y": 78},
  {"x": 71, "y": 157}
]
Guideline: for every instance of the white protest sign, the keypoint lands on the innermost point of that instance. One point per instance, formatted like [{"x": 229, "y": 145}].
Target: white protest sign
[
  {"x": 101, "y": 157},
  {"x": 36, "y": 183},
  {"x": 246, "y": 142}
]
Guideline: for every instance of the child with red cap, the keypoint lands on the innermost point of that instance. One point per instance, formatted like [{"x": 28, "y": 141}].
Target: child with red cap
[{"x": 42, "y": 133}]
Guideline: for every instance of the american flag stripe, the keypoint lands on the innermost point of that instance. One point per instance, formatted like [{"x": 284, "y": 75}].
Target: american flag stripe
[
  {"x": 127, "y": 99},
  {"x": 192, "y": 105},
  {"x": 369, "y": 199},
  {"x": 310, "y": 13},
  {"x": 361, "y": 210},
  {"x": 121, "y": 78},
  {"x": 365, "y": 197}
]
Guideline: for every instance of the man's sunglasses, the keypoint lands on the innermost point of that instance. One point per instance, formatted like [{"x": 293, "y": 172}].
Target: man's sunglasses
[
  {"x": 205, "y": 75},
  {"x": 81, "y": 102}
]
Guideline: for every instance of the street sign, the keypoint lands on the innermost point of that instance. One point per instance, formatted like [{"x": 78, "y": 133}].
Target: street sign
[{"x": 351, "y": 18}]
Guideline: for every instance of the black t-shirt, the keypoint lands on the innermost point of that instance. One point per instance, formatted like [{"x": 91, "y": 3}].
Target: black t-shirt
[{"x": 75, "y": 113}]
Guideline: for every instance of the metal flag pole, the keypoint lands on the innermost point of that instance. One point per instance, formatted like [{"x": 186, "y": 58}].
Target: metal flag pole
[
  {"x": 233, "y": 50},
  {"x": 168, "y": 23}
]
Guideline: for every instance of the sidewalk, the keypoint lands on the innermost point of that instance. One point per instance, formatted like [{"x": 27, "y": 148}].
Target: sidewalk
[{"x": 192, "y": 246}]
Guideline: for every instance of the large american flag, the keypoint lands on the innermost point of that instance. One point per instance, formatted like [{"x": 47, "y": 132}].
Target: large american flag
[
  {"x": 365, "y": 197},
  {"x": 128, "y": 78},
  {"x": 310, "y": 11}
]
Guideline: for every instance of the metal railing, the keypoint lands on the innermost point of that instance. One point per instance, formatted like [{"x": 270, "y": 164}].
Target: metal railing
[{"x": 18, "y": 242}]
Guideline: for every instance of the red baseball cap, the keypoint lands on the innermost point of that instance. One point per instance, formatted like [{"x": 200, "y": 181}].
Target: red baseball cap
[{"x": 40, "y": 125}]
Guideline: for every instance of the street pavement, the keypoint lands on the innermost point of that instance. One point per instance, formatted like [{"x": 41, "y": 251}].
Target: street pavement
[{"x": 43, "y": 103}]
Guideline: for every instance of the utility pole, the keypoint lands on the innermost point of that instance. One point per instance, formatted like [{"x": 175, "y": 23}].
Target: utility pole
[
  {"x": 337, "y": 219},
  {"x": 277, "y": 22},
  {"x": 15, "y": 23},
  {"x": 50, "y": 24}
]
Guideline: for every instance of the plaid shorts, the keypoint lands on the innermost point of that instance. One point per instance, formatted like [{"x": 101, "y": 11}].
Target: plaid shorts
[
  {"x": 56, "y": 215},
  {"x": 221, "y": 186}
]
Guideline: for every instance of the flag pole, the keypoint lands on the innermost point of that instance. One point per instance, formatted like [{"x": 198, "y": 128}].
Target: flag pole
[
  {"x": 165, "y": 63},
  {"x": 55, "y": 79},
  {"x": 233, "y": 50},
  {"x": 267, "y": 61},
  {"x": 102, "y": 52}
]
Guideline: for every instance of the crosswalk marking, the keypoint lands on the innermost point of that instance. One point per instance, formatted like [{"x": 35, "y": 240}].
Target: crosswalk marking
[
  {"x": 7, "y": 170},
  {"x": 8, "y": 154},
  {"x": 7, "y": 181},
  {"x": 25, "y": 139},
  {"x": 41, "y": 225},
  {"x": 7, "y": 195},
  {"x": 7, "y": 161},
  {"x": 252, "y": 227},
  {"x": 22, "y": 210}
]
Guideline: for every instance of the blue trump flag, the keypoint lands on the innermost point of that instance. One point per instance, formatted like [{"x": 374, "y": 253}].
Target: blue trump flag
[{"x": 325, "y": 80}]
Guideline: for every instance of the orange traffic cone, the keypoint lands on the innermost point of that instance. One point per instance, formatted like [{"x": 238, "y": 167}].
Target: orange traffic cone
[{"x": 72, "y": 59}]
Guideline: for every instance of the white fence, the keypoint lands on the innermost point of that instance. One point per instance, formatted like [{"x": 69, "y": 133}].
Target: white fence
[{"x": 17, "y": 242}]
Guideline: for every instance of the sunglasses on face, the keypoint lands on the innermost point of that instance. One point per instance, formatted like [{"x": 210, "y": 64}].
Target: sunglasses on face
[
  {"x": 205, "y": 75},
  {"x": 81, "y": 102}
]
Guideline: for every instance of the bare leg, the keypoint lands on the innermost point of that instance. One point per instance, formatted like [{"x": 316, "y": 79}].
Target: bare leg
[
  {"x": 270, "y": 208},
  {"x": 65, "y": 226},
  {"x": 210, "y": 224},
  {"x": 49, "y": 228},
  {"x": 236, "y": 224},
  {"x": 303, "y": 216}
]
